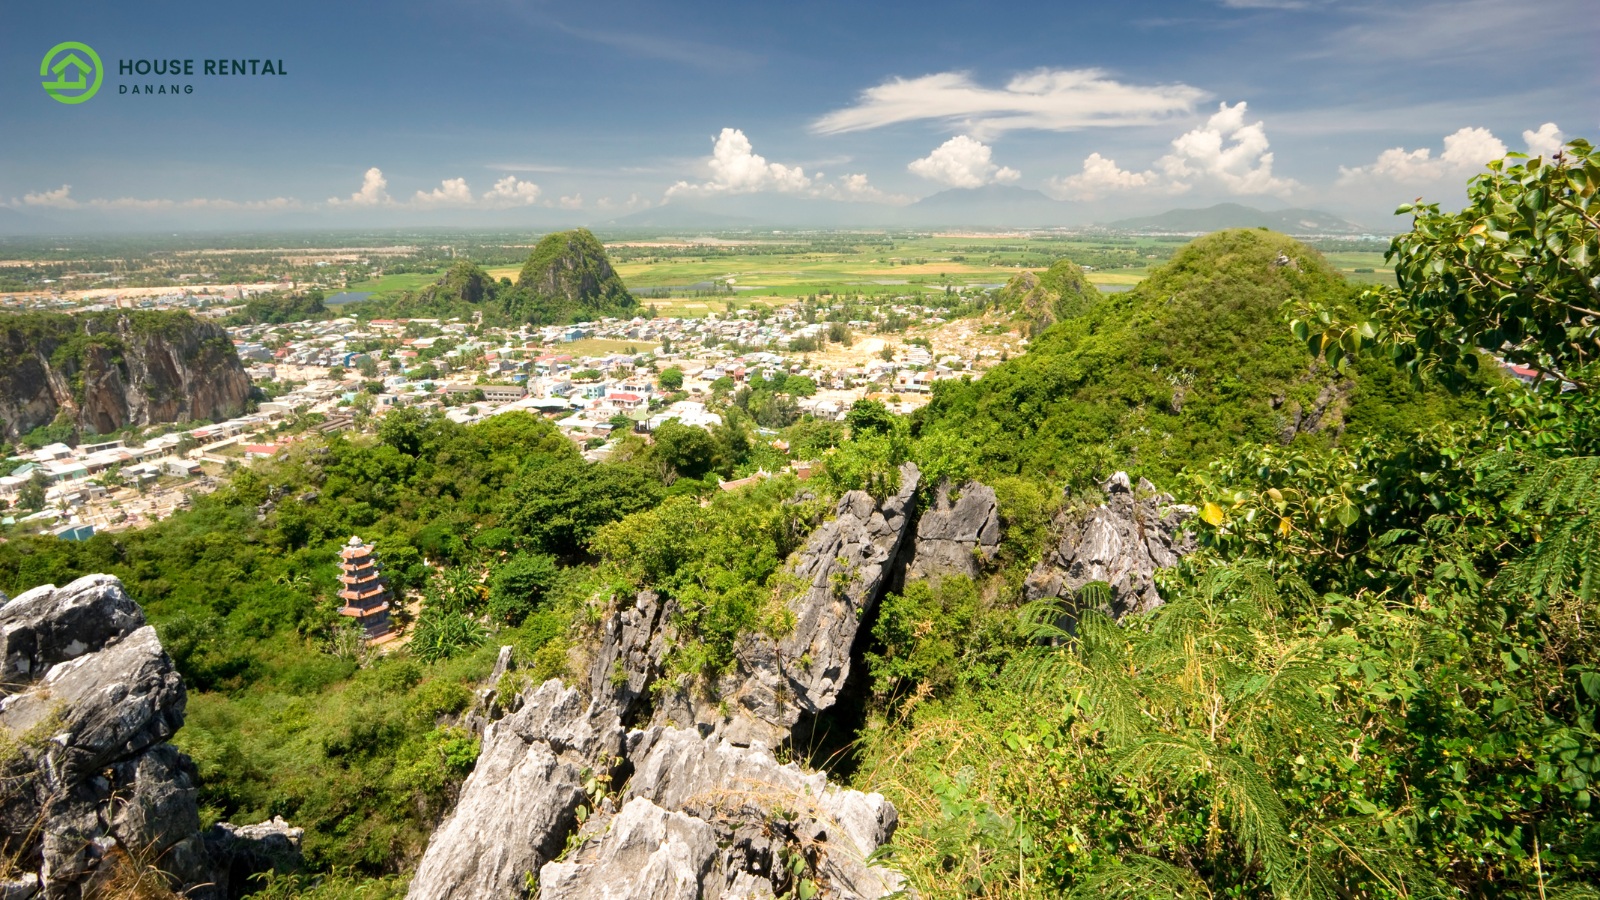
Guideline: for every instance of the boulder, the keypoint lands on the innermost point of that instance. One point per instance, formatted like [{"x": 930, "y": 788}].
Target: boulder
[
  {"x": 1122, "y": 542},
  {"x": 520, "y": 802},
  {"x": 838, "y": 576},
  {"x": 646, "y": 853},
  {"x": 89, "y": 703},
  {"x": 743, "y": 821},
  {"x": 956, "y": 536}
]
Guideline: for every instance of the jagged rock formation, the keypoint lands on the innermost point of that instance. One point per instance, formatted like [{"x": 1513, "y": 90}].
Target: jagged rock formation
[
  {"x": 710, "y": 819},
  {"x": 956, "y": 537},
  {"x": 520, "y": 802},
  {"x": 1122, "y": 542},
  {"x": 88, "y": 781},
  {"x": 842, "y": 571},
  {"x": 707, "y": 812},
  {"x": 568, "y": 275},
  {"x": 112, "y": 370}
]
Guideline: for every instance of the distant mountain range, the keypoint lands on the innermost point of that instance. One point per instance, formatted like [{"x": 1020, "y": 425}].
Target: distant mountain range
[{"x": 1233, "y": 215}]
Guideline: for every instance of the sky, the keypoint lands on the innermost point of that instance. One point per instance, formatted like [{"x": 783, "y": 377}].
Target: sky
[{"x": 492, "y": 111}]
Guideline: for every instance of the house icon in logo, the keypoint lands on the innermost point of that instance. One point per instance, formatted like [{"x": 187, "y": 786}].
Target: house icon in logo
[{"x": 76, "y": 79}]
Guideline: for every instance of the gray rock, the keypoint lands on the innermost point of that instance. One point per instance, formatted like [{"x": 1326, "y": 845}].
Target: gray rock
[
  {"x": 646, "y": 853},
  {"x": 1122, "y": 542},
  {"x": 840, "y": 573},
  {"x": 761, "y": 814},
  {"x": 245, "y": 851},
  {"x": 91, "y": 700},
  {"x": 520, "y": 802},
  {"x": 49, "y": 625},
  {"x": 630, "y": 653},
  {"x": 956, "y": 537}
]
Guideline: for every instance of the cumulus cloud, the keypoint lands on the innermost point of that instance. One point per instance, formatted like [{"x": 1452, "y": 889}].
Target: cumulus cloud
[
  {"x": 511, "y": 191},
  {"x": 450, "y": 192},
  {"x": 60, "y": 198},
  {"x": 1546, "y": 142},
  {"x": 1226, "y": 151},
  {"x": 1044, "y": 99},
  {"x": 962, "y": 162},
  {"x": 1100, "y": 176},
  {"x": 737, "y": 169},
  {"x": 573, "y": 202},
  {"x": 857, "y": 189},
  {"x": 374, "y": 191},
  {"x": 1464, "y": 152}
]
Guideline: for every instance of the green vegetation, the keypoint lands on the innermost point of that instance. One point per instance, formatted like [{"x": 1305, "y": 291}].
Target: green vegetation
[
  {"x": 1039, "y": 301},
  {"x": 1176, "y": 372},
  {"x": 275, "y": 309}
]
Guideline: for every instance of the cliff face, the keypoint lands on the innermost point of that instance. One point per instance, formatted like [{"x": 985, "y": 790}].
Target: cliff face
[{"x": 112, "y": 370}]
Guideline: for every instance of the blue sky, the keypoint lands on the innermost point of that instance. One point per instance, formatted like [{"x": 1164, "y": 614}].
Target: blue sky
[{"x": 494, "y": 108}]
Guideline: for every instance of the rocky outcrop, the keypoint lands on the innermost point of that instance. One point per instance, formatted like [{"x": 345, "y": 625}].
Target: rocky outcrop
[
  {"x": 88, "y": 781},
  {"x": 112, "y": 370},
  {"x": 706, "y": 818},
  {"x": 521, "y": 800},
  {"x": 1121, "y": 542},
  {"x": 956, "y": 536},
  {"x": 707, "y": 811},
  {"x": 838, "y": 578}
]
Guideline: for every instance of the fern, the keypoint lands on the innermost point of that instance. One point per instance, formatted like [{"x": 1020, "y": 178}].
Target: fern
[{"x": 1564, "y": 494}]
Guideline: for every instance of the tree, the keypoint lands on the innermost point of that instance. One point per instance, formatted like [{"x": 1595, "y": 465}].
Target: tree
[
  {"x": 686, "y": 450},
  {"x": 869, "y": 417},
  {"x": 520, "y": 585},
  {"x": 671, "y": 378},
  {"x": 31, "y": 497},
  {"x": 1516, "y": 274},
  {"x": 556, "y": 507}
]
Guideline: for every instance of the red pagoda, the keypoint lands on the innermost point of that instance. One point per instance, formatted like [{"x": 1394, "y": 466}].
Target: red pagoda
[{"x": 365, "y": 592}]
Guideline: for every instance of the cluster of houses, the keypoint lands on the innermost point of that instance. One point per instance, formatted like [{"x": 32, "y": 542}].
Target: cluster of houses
[{"x": 83, "y": 486}]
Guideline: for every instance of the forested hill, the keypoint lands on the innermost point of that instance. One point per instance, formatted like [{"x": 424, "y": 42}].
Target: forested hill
[
  {"x": 567, "y": 277},
  {"x": 1190, "y": 364}
]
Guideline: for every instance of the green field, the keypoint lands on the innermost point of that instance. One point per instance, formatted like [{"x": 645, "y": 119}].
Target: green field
[
  {"x": 394, "y": 284},
  {"x": 602, "y": 346},
  {"x": 1347, "y": 262}
]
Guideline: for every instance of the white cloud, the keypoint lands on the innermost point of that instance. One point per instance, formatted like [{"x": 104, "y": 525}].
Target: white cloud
[
  {"x": 1228, "y": 152},
  {"x": 857, "y": 189},
  {"x": 511, "y": 191},
  {"x": 374, "y": 191},
  {"x": 1100, "y": 176},
  {"x": 1465, "y": 151},
  {"x": 737, "y": 169},
  {"x": 634, "y": 201},
  {"x": 962, "y": 162},
  {"x": 450, "y": 192},
  {"x": 1044, "y": 99},
  {"x": 573, "y": 202},
  {"x": 60, "y": 198},
  {"x": 1546, "y": 142}
]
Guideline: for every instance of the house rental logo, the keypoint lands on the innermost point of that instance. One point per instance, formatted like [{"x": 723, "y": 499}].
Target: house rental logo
[{"x": 72, "y": 72}]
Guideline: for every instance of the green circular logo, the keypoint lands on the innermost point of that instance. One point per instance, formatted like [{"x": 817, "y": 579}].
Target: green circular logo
[{"x": 72, "y": 72}]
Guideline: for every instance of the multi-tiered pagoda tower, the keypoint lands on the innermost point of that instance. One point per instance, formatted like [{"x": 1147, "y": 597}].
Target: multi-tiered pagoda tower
[{"x": 365, "y": 592}]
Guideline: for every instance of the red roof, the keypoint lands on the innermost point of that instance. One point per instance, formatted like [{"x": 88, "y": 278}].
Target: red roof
[{"x": 626, "y": 398}]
